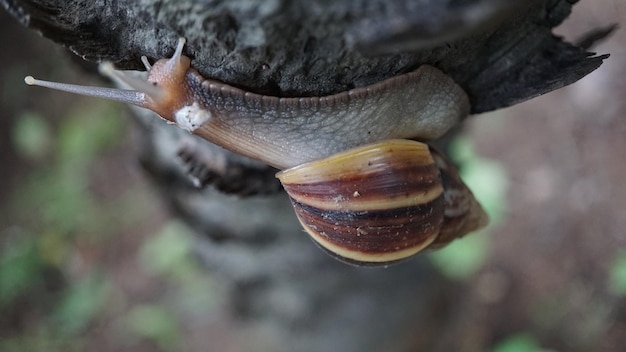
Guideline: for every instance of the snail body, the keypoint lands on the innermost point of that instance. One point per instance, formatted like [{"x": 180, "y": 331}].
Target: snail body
[
  {"x": 285, "y": 132},
  {"x": 383, "y": 198}
]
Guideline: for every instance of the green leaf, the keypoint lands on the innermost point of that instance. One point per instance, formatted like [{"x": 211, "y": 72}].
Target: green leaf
[
  {"x": 487, "y": 179},
  {"x": 88, "y": 131},
  {"x": 154, "y": 323},
  {"x": 522, "y": 342},
  {"x": 20, "y": 269},
  {"x": 463, "y": 257},
  {"x": 169, "y": 251},
  {"x": 31, "y": 136},
  {"x": 617, "y": 277},
  {"x": 81, "y": 304}
]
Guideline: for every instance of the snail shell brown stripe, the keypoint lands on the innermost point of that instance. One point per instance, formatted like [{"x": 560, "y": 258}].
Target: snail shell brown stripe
[
  {"x": 371, "y": 190},
  {"x": 377, "y": 203},
  {"x": 396, "y": 173},
  {"x": 382, "y": 236}
]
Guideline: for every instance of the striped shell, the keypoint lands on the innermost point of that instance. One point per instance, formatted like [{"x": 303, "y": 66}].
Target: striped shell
[
  {"x": 375, "y": 204},
  {"x": 462, "y": 212}
]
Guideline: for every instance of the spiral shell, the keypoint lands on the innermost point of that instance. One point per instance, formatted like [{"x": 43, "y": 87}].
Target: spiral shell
[
  {"x": 377, "y": 204},
  {"x": 462, "y": 212}
]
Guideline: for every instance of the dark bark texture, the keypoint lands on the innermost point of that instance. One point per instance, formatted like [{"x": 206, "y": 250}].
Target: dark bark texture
[{"x": 501, "y": 52}]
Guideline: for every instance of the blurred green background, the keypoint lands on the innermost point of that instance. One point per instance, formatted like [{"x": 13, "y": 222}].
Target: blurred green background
[{"x": 85, "y": 243}]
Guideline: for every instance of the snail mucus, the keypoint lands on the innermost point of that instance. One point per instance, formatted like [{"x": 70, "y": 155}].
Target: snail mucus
[{"x": 361, "y": 185}]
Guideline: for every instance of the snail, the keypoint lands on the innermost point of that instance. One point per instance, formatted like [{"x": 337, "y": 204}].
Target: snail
[{"x": 358, "y": 140}]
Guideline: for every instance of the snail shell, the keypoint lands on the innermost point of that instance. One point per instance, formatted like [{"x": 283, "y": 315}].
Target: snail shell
[{"x": 382, "y": 202}]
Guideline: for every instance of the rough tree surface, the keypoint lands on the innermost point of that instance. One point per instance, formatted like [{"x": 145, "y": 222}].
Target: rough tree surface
[{"x": 499, "y": 52}]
